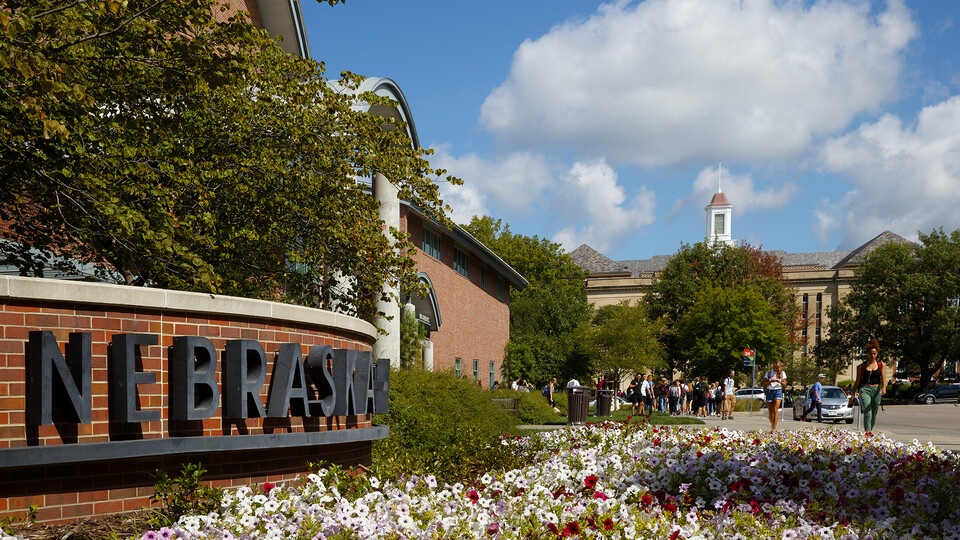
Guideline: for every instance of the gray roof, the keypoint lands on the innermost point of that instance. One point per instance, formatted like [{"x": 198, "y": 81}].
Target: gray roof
[{"x": 596, "y": 263}]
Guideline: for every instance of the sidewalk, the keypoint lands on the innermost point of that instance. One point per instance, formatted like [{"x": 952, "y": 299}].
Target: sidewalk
[
  {"x": 758, "y": 420},
  {"x": 746, "y": 421}
]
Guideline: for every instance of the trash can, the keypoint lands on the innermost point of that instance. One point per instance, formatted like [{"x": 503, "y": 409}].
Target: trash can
[
  {"x": 578, "y": 403},
  {"x": 604, "y": 400}
]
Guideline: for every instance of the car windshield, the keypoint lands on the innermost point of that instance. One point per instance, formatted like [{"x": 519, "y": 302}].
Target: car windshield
[{"x": 833, "y": 393}]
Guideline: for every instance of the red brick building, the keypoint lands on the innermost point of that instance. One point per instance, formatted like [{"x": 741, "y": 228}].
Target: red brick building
[{"x": 468, "y": 311}]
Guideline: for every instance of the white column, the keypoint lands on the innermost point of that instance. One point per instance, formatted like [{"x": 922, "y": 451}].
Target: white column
[
  {"x": 388, "y": 346},
  {"x": 427, "y": 355}
]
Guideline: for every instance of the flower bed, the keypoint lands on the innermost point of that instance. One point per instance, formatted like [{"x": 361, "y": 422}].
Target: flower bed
[{"x": 627, "y": 481}]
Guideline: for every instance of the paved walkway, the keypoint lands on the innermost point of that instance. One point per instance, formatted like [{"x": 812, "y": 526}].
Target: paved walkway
[{"x": 946, "y": 438}]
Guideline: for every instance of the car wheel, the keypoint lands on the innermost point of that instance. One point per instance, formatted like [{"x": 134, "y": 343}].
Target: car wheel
[
  {"x": 930, "y": 400},
  {"x": 849, "y": 420}
]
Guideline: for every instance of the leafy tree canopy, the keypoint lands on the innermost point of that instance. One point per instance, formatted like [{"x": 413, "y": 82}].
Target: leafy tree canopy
[
  {"x": 708, "y": 267},
  {"x": 721, "y": 323},
  {"x": 905, "y": 296},
  {"x": 546, "y": 315},
  {"x": 150, "y": 141},
  {"x": 622, "y": 340}
]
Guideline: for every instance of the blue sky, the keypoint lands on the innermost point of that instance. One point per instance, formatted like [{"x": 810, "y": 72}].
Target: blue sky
[{"x": 604, "y": 123}]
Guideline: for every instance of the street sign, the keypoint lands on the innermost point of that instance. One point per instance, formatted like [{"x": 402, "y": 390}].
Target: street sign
[{"x": 748, "y": 357}]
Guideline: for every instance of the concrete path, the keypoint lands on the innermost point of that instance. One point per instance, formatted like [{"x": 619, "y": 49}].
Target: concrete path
[{"x": 938, "y": 424}]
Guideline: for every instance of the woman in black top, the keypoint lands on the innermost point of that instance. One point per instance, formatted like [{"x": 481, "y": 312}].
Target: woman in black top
[{"x": 870, "y": 384}]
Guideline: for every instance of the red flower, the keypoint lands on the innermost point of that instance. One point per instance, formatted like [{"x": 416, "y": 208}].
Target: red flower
[
  {"x": 494, "y": 528},
  {"x": 591, "y": 481},
  {"x": 474, "y": 496},
  {"x": 267, "y": 486},
  {"x": 675, "y": 535},
  {"x": 572, "y": 529},
  {"x": 553, "y": 528},
  {"x": 756, "y": 442},
  {"x": 670, "y": 507},
  {"x": 600, "y": 495},
  {"x": 608, "y": 524},
  {"x": 647, "y": 499}
]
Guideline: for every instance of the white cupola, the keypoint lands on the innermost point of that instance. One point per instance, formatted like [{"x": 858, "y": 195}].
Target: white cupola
[{"x": 719, "y": 217}]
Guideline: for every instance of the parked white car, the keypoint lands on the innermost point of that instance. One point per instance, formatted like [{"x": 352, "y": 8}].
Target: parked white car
[{"x": 747, "y": 393}]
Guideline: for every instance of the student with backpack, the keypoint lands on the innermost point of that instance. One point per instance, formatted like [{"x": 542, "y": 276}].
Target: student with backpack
[{"x": 548, "y": 391}]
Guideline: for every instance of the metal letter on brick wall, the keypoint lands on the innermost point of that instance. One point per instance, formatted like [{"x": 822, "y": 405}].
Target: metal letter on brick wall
[{"x": 45, "y": 365}]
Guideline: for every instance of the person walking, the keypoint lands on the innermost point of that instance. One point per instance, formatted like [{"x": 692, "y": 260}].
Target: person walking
[
  {"x": 548, "y": 391},
  {"x": 869, "y": 385},
  {"x": 815, "y": 394},
  {"x": 646, "y": 390},
  {"x": 633, "y": 391},
  {"x": 773, "y": 381},
  {"x": 674, "y": 397},
  {"x": 663, "y": 392},
  {"x": 573, "y": 382},
  {"x": 729, "y": 397},
  {"x": 699, "y": 398}
]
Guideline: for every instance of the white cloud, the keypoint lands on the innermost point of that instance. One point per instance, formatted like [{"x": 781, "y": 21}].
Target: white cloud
[
  {"x": 906, "y": 178},
  {"x": 595, "y": 207},
  {"x": 514, "y": 183},
  {"x": 740, "y": 192},
  {"x": 675, "y": 81}
]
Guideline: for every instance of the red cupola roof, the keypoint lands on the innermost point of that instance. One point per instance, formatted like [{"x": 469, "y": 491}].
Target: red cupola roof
[{"x": 719, "y": 199}]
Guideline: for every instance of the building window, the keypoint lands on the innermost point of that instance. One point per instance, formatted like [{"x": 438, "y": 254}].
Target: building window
[
  {"x": 461, "y": 262},
  {"x": 501, "y": 289},
  {"x": 458, "y": 368},
  {"x": 476, "y": 369},
  {"x": 431, "y": 243},
  {"x": 483, "y": 277},
  {"x": 718, "y": 224},
  {"x": 492, "y": 373}
]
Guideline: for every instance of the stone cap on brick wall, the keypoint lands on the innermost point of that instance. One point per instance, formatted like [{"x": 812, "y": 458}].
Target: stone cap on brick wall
[{"x": 105, "y": 294}]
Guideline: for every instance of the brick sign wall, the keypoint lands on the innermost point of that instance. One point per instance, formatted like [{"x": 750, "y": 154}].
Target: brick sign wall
[{"x": 140, "y": 418}]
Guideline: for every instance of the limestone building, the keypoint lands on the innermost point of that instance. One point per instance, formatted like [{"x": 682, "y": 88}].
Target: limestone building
[{"x": 819, "y": 278}]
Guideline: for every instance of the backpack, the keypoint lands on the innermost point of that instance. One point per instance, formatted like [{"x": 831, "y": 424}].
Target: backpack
[{"x": 546, "y": 391}]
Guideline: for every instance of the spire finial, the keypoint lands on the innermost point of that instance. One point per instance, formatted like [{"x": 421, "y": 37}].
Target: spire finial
[{"x": 719, "y": 175}]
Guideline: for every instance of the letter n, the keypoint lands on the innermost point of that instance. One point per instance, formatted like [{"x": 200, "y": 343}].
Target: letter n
[{"x": 45, "y": 365}]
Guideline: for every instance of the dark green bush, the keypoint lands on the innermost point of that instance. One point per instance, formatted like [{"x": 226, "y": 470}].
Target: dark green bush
[
  {"x": 439, "y": 425},
  {"x": 534, "y": 408}
]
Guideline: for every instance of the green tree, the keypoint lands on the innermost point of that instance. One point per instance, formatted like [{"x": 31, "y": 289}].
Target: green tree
[
  {"x": 546, "y": 316},
  {"x": 906, "y": 296},
  {"x": 703, "y": 266},
  {"x": 722, "y": 322},
  {"x": 412, "y": 335},
  {"x": 161, "y": 147},
  {"x": 622, "y": 340}
]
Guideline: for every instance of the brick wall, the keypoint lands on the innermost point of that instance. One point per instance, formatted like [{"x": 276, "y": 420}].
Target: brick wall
[
  {"x": 476, "y": 323},
  {"x": 68, "y": 491}
]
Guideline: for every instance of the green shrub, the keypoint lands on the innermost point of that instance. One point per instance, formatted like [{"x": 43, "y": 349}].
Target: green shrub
[
  {"x": 439, "y": 425},
  {"x": 534, "y": 408},
  {"x": 182, "y": 495}
]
